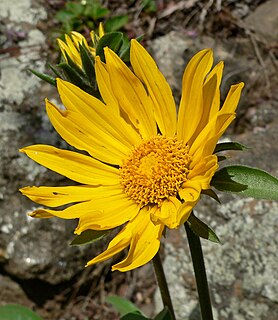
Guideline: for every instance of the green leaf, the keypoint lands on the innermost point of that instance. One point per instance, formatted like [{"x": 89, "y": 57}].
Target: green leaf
[
  {"x": 224, "y": 146},
  {"x": 94, "y": 10},
  {"x": 212, "y": 194},
  {"x": 134, "y": 316},
  {"x": 17, "y": 312},
  {"x": 201, "y": 229},
  {"x": 74, "y": 66},
  {"x": 113, "y": 40},
  {"x": 124, "y": 51},
  {"x": 149, "y": 6},
  {"x": 44, "y": 77},
  {"x": 165, "y": 314},
  {"x": 56, "y": 71},
  {"x": 116, "y": 23},
  {"x": 64, "y": 15},
  {"x": 73, "y": 77},
  {"x": 122, "y": 305},
  {"x": 89, "y": 236},
  {"x": 76, "y": 8},
  {"x": 247, "y": 181},
  {"x": 87, "y": 63}
]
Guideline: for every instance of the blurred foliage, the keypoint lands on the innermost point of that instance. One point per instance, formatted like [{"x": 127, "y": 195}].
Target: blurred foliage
[
  {"x": 129, "y": 311},
  {"x": 79, "y": 13},
  {"x": 149, "y": 6},
  {"x": 17, "y": 312}
]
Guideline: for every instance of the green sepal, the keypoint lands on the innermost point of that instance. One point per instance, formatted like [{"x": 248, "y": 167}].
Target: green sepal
[
  {"x": 88, "y": 63},
  {"x": 165, "y": 314},
  {"x": 17, "y": 312},
  {"x": 112, "y": 40},
  {"x": 124, "y": 51},
  {"x": 89, "y": 236},
  {"x": 74, "y": 66},
  {"x": 134, "y": 316},
  {"x": 201, "y": 229},
  {"x": 137, "y": 315},
  {"x": 56, "y": 71},
  {"x": 246, "y": 181},
  {"x": 73, "y": 77},
  {"x": 212, "y": 194},
  {"x": 224, "y": 146},
  {"x": 123, "y": 305},
  {"x": 44, "y": 77},
  {"x": 116, "y": 23}
]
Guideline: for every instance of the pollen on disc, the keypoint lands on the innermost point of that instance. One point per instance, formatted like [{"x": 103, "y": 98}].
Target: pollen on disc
[{"x": 155, "y": 170}]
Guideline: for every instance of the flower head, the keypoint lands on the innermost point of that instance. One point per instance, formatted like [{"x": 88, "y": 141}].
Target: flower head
[
  {"x": 70, "y": 47},
  {"x": 146, "y": 165}
]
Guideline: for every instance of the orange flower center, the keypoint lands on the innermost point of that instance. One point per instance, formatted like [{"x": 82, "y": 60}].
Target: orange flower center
[{"x": 155, "y": 170}]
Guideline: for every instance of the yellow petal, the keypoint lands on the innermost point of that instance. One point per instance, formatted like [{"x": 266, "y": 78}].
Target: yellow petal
[
  {"x": 104, "y": 85},
  {"x": 103, "y": 212},
  {"x": 144, "y": 244},
  {"x": 143, "y": 237},
  {"x": 185, "y": 212},
  {"x": 70, "y": 49},
  {"x": 75, "y": 166},
  {"x": 211, "y": 91},
  {"x": 191, "y": 105},
  {"x": 63, "y": 47},
  {"x": 100, "y": 30},
  {"x": 94, "y": 38},
  {"x": 108, "y": 213},
  {"x": 78, "y": 39},
  {"x": 190, "y": 193},
  {"x": 159, "y": 90},
  {"x": 118, "y": 244},
  {"x": 211, "y": 96},
  {"x": 167, "y": 214},
  {"x": 97, "y": 113},
  {"x": 79, "y": 132},
  {"x": 41, "y": 213},
  {"x": 203, "y": 171},
  {"x": 232, "y": 98},
  {"x": 58, "y": 196},
  {"x": 131, "y": 95},
  {"x": 205, "y": 142}
]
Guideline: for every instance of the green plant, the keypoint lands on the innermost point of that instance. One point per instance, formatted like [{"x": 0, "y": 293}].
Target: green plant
[
  {"x": 149, "y": 6},
  {"x": 17, "y": 312},
  {"x": 77, "y": 14}
]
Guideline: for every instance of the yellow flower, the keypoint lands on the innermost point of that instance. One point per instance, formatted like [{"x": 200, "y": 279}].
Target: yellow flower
[
  {"x": 146, "y": 166},
  {"x": 71, "y": 45}
]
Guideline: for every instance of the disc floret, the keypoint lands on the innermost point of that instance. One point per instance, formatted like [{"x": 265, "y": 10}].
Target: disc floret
[{"x": 155, "y": 170}]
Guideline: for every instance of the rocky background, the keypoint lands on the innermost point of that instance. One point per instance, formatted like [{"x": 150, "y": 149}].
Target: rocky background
[{"x": 38, "y": 267}]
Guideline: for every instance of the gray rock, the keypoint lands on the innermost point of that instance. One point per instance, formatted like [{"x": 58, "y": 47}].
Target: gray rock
[
  {"x": 39, "y": 249},
  {"x": 264, "y": 20},
  {"x": 11, "y": 292},
  {"x": 241, "y": 272},
  {"x": 30, "y": 249}
]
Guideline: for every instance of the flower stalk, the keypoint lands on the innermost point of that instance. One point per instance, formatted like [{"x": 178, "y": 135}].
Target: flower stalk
[
  {"x": 162, "y": 283},
  {"x": 200, "y": 273}
]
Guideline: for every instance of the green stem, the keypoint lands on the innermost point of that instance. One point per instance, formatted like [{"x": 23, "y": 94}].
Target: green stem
[
  {"x": 200, "y": 273},
  {"x": 162, "y": 283}
]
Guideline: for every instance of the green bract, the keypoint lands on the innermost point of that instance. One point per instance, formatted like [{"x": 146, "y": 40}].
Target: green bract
[{"x": 246, "y": 181}]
